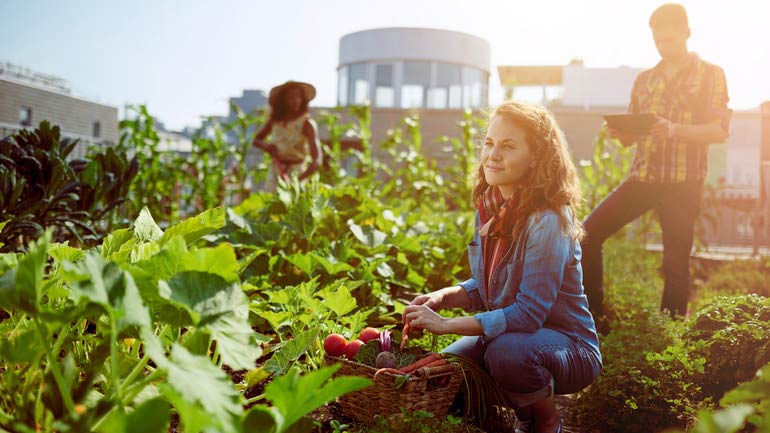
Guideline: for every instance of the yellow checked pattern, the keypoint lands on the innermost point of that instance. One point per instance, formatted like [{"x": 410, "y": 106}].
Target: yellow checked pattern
[{"x": 697, "y": 94}]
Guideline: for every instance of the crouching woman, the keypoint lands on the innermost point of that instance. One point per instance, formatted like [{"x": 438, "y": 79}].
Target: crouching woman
[{"x": 533, "y": 332}]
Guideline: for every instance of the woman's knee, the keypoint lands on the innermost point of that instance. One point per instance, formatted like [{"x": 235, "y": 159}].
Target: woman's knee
[
  {"x": 515, "y": 364},
  {"x": 469, "y": 347}
]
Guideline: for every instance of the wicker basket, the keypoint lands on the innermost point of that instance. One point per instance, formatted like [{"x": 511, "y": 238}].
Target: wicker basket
[{"x": 430, "y": 393}]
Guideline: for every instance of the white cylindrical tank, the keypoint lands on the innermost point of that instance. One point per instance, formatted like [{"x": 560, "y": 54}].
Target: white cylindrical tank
[{"x": 413, "y": 68}]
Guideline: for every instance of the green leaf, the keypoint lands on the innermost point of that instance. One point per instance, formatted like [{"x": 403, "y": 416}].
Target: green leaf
[
  {"x": 152, "y": 416},
  {"x": 22, "y": 348},
  {"x": 256, "y": 376},
  {"x": 21, "y": 288},
  {"x": 414, "y": 279},
  {"x": 303, "y": 261},
  {"x": 197, "y": 341},
  {"x": 194, "y": 228},
  {"x": 728, "y": 420},
  {"x": 384, "y": 269},
  {"x": 220, "y": 261},
  {"x": 115, "y": 241},
  {"x": 202, "y": 393},
  {"x": 294, "y": 396},
  {"x": 236, "y": 341},
  {"x": 259, "y": 419},
  {"x": 97, "y": 281},
  {"x": 290, "y": 351},
  {"x": 205, "y": 296},
  {"x": 145, "y": 228},
  {"x": 332, "y": 267},
  {"x": 174, "y": 257},
  {"x": 368, "y": 235},
  {"x": 276, "y": 319},
  {"x": 223, "y": 309},
  {"x": 340, "y": 300},
  {"x": 62, "y": 252},
  {"x": 750, "y": 392},
  {"x": 9, "y": 261}
]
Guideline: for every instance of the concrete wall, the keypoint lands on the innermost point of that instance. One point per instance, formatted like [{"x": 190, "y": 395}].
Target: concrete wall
[{"x": 590, "y": 87}]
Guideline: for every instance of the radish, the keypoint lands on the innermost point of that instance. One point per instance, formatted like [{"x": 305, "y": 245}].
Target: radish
[
  {"x": 335, "y": 345},
  {"x": 353, "y": 348},
  {"x": 368, "y": 334}
]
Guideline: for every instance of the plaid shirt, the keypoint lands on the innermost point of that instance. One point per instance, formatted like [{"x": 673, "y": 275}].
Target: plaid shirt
[{"x": 697, "y": 94}]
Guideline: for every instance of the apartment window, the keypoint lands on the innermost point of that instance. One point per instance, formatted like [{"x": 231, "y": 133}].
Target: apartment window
[
  {"x": 384, "y": 93},
  {"x": 474, "y": 87},
  {"x": 447, "y": 92},
  {"x": 358, "y": 86},
  {"x": 96, "y": 130},
  {"x": 415, "y": 85},
  {"x": 342, "y": 87},
  {"x": 25, "y": 116}
]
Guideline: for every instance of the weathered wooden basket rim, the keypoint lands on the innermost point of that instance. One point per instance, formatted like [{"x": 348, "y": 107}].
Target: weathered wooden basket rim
[{"x": 411, "y": 377}]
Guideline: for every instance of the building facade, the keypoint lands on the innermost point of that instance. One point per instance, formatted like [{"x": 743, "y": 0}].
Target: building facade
[
  {"x": 413, "y": 68},
  {"x": 27, "y": 98}
]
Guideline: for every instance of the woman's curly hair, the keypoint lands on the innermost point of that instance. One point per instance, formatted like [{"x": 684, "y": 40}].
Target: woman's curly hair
[{"x": 552, "y": 183}]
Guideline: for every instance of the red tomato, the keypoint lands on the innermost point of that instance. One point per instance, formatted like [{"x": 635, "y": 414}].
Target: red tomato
[
  {"x": 335, "y": 345},
  {"x": 369, "y": 334},
  {"x": 353, "y": 348}
]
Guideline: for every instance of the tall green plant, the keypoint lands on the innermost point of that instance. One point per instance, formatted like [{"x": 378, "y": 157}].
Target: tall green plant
[
  {"x": 607, "y": 168},
  {"x": 40, "y": 188},
  {"x": 605, "y": 171},
  {"x": 156, "y": 183},
  {"x": 215, "y": 171}
]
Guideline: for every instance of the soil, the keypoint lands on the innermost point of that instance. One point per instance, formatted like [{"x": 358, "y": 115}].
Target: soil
[
  {"x": 565, "y": 403},
  {"x": 325, "y": 414}
]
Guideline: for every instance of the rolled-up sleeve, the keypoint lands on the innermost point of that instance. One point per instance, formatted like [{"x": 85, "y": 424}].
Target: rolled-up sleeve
[
  {"x": 717, "y": 99},
  {"x": 546, "y": 254},
  {"x": 471, "y": 287}
]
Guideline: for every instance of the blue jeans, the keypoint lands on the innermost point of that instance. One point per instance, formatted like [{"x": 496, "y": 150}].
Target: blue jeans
[
  {"x": 677, "y": 206},
  {"x": 532, "y": 366}
]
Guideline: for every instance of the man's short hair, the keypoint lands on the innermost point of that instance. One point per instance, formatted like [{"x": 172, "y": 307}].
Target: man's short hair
[{"x": 670, "y": 14}]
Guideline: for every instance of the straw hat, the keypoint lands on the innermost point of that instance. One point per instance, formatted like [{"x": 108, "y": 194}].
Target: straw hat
[{"x": 308, "y": 91}]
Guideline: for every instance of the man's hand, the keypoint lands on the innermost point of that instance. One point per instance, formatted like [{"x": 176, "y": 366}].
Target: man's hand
[
  {"x": 663, "y": 129},
  {"x": 625, "y": 139}
]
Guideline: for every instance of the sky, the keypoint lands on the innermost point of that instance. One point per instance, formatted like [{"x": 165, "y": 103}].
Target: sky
[{"x": 185, "y": 59}]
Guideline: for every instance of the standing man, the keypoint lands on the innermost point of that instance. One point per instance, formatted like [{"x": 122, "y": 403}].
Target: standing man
[{"x": 689, "y": 96}]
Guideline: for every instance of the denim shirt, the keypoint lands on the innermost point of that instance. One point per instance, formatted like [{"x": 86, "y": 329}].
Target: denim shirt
[{"x": 538, "y": 284}]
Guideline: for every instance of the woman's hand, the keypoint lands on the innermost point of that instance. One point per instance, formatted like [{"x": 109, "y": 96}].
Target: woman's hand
[
  {"x": 261, "y": 144},
  {"x": 422, "y": 316},
  {"x": 433, "y": 300}
]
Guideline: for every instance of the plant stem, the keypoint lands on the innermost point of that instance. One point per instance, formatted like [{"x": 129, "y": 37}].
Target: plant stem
[
  {"x": 54, "y": 367},
  {"x": 137, "y": 387},
  {"x": 129, "y": 395},
  {"x": 139, "y": 368},
  {"x": 114, "y": 363},
  {"x": 254, "y": 399},
  {"x": 215, "y": 355}
]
